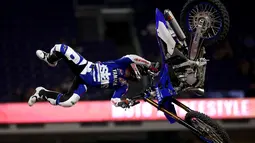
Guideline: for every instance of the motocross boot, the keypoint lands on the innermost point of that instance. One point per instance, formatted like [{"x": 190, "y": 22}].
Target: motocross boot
[
  {"x": 50, "y": 59},
  {"x": 35, "y": 97}
]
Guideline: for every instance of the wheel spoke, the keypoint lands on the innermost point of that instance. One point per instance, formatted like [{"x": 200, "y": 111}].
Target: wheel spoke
[
  {"x": 206, "y": 128},
  {"x": 213, "y": 31},
  {"x": 193, "y": 11}
]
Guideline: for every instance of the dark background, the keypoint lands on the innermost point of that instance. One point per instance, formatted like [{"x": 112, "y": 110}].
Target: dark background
[{"x": 92, "y": 28}]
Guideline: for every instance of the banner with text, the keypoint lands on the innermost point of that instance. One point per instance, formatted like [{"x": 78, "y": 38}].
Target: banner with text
[{"x": 104, "y": 111}]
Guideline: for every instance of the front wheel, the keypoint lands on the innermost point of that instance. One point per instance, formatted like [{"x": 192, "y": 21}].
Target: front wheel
[{"x": 211, "y": 131}]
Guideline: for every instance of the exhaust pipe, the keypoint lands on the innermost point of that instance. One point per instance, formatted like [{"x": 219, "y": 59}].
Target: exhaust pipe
[{"x": 193, "y": 90}]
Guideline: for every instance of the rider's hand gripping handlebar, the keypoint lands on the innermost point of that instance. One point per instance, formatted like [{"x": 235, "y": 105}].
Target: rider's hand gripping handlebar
[{"x": 127, "y": 103}]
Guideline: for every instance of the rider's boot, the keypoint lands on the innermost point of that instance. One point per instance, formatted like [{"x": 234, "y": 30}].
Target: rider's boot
[
  {"x": 50, "y": 59},
  {"x": 36, "y": 97}
]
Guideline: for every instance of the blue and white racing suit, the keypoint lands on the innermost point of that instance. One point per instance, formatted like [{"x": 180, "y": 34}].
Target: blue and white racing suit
[{"x": 109, "y": 74}]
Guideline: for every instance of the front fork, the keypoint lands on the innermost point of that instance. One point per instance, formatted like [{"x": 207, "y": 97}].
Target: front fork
[
  {"x": 146, "y": 98},
  {"x": 178, "y": 119},
  {"x": 195, "y": 46}
]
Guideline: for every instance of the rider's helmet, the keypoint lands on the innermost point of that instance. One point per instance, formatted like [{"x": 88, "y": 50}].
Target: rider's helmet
[{"x": 136, "y": 72}]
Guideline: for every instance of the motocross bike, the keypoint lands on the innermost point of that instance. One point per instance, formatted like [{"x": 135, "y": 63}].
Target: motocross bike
[{"x": 206, "y": 22}]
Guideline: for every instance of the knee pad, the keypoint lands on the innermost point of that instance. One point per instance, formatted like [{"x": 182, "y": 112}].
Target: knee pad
[{"x": 62, "y": 48}]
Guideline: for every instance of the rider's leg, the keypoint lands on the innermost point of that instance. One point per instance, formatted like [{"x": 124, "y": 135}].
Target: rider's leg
[
  {"x": 55, "y": 98},
  {"x": 60, "y": 51},
  {"x": 75, "y": 62}
]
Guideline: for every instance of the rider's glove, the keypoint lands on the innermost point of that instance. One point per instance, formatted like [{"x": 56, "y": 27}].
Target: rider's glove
[
  {"x": 154, "y": 67},
  {"x": 120, "y": 103},
  {"x": 123, "y": 104},
  {"x": 126, "y": 103}
]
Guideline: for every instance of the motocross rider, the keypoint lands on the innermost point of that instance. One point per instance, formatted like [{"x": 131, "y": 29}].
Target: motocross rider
[{"x": 113, "y": 74}]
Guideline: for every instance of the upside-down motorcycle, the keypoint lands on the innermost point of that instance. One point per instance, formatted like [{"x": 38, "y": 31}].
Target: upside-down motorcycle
[{"x": 202, "y": 24}]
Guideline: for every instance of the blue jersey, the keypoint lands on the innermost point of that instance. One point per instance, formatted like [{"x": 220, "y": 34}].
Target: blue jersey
[
  {"x": 105, "y": 74},
  {"x": 110, "y": 74}
]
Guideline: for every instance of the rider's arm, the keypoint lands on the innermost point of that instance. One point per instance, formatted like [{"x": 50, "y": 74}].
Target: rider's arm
[
  {"x": 119, "y": 92},
  {"x": 128, "y": 59}
]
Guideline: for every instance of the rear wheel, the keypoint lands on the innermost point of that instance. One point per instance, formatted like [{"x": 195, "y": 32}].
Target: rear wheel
[
  {"x": 211, "y": 131},
  {"x": 215, "y": 15}
]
